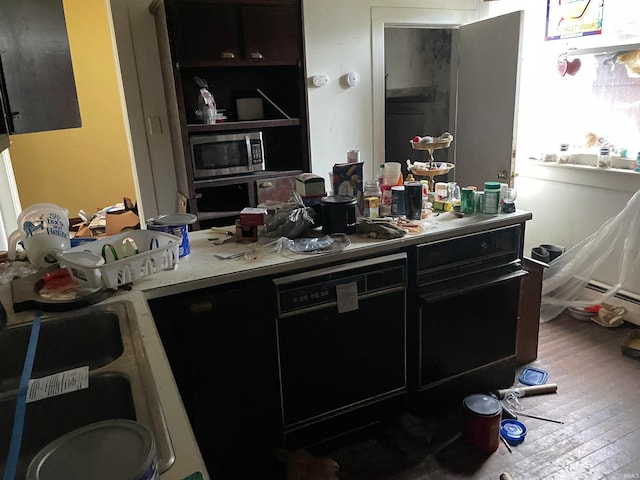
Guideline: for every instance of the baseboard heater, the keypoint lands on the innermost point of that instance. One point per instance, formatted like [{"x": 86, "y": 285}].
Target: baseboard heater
[{"x": 625, "y": 298}]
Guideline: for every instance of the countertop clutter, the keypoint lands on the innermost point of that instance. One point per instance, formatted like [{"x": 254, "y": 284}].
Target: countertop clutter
[
  {"x": 204, "y": 267},
  {"x": 213, "y": 263}
]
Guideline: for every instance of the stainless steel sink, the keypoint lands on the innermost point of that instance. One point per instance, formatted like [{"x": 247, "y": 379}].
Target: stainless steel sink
[{"x": 120, "y": 382}]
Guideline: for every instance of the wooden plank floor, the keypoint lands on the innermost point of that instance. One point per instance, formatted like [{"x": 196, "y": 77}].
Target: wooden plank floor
[{"x": 598, "y": 399}]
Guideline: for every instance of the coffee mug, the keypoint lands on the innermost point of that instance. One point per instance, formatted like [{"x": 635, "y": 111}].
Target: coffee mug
[{"x": 43, "y": 229}]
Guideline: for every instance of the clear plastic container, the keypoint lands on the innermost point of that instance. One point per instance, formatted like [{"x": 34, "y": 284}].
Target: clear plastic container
[
  {"x": 380, "y": 176},
  {"x": 563, "y": 153},
  {"x": 372, "y": 189},
  {"x": 604, "y": 158},
  {"x": 372, "y": 199},
  {"x": 441, "y": 190}
]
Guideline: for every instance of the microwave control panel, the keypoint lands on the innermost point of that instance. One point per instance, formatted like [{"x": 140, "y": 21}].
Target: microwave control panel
[{"x": 257, "y": 152}]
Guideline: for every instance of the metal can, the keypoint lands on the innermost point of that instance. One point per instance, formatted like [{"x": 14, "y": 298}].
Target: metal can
[
  {"x": 353, "y": 156},
  {"x": 482, "y": 423},
  {"x": 398, "y": 206},
  {"x": 413, "y": 192},
  {"x": 468, "y": 201}
]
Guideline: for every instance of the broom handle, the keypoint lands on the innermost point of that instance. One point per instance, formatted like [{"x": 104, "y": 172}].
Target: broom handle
[{"x": 532, "y": 390}]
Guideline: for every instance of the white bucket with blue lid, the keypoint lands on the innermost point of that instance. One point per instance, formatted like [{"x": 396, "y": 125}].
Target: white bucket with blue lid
[{"x": 174, "y": 224}]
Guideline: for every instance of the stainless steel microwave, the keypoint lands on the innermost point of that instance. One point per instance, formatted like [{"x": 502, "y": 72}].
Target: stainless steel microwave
[{"x": 226, "y": 154}]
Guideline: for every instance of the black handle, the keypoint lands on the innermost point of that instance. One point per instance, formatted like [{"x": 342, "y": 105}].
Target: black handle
[{"x": 3, "y": 316}]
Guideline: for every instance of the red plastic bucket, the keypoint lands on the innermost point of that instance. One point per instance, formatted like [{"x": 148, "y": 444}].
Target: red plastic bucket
[{"x": 482, "y": 422}]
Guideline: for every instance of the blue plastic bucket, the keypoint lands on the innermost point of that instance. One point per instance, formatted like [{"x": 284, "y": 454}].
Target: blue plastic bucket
[{"x": 174, "y": 224}]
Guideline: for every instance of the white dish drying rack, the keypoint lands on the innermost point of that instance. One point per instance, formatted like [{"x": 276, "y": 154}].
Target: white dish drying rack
[{"x": 120, "y": 259}]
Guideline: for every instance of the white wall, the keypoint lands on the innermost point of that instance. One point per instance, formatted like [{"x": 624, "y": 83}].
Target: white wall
[
  {"x": 343, "y": 36},
  {"x": 143, "y": 97}
]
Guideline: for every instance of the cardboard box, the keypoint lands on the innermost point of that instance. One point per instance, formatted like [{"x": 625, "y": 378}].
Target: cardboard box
[
  {"x": 347, "y": 181},
  {"x": 252, "y": 216},
  {"x": 310, "y": 185},
  {"x": 117, "y": 222}
]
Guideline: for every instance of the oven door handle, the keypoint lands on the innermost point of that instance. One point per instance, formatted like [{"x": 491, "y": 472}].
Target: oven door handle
[{"x": 461, "y": 288}]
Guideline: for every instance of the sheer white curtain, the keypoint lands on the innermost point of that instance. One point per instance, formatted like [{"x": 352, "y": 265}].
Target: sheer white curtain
[{"x": 9, "y": 201}]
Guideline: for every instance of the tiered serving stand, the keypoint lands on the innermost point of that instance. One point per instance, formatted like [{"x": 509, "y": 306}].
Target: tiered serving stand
[{"x": 435, "y": 168}]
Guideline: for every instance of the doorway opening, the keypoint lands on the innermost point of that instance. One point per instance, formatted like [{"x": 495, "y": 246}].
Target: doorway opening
[{"x": 419, "y": 90}]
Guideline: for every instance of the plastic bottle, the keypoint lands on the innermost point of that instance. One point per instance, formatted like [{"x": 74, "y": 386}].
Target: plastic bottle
[
  {"x": 380, "y": 176},
  {"x": 385, "y": 201},
  {"x": 372, "y": 199},
  {"x": 491, "y": 199}
]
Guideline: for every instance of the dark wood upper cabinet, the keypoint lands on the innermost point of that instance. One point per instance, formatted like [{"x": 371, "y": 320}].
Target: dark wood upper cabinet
[
  {"x": 219, "y": 33},
  {"x": 204, "y": 33},
  {"x": 272, "y": 34},
  {"x": 238, "y": 47},
  {"x": 38, "y": 74}
]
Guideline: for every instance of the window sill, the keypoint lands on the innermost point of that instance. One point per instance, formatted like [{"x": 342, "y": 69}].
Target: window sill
[{"x": 619, "y": 179}]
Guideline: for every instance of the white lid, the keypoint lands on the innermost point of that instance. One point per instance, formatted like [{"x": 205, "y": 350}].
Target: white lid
[
  {"x": 173, "y": 219},
  {"x": 112, "y": 449}
]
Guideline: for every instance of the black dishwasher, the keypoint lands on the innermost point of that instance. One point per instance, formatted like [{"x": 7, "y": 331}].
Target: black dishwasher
[
  {"x": 465, "y": 293},
  {"x": 341, "y": 343}
]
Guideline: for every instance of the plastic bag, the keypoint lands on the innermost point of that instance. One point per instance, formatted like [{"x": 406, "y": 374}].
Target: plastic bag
[
  {"x": 565, "y": 280},
  {"x": 325, "y": 244},
  {"x": 291, "y": 219}
]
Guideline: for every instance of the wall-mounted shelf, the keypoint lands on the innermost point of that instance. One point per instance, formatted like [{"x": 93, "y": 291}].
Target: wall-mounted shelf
[
  {"x": 253, "y": 124},
  {"x": 623, "y": 47}
]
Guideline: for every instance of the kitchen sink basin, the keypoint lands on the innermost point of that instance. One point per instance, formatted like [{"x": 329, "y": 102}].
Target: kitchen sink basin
[
  {"x": 121, "y": 386},
  {"x": 65, "y": 342}
]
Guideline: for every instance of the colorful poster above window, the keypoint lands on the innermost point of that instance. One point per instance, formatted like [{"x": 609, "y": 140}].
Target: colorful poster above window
[{"x": 573, "y": 18}]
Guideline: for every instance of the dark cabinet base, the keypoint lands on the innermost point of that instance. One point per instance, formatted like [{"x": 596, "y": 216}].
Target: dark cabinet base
[
  {"x": 221, "y": 347},
  {"x": 248, "y": 356}
]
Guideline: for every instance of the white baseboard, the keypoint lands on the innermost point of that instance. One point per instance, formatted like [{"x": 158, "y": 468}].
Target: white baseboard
[{"x": 624, "y": 298}]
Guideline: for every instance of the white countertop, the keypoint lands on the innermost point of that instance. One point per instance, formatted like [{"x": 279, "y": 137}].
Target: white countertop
[{"x": 201, "y": 268}]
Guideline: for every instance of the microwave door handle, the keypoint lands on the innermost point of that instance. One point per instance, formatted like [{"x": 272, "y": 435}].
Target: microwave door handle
[{"x": 248, "y": 142}]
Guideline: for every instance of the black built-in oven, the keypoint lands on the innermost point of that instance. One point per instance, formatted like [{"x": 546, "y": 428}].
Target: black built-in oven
[{"x": 465, "y": 294}]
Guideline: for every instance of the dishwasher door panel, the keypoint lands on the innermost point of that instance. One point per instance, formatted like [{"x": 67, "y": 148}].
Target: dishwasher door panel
[
  {"x": 331, "y": 360},
  {"x": 341, "y": 343}
]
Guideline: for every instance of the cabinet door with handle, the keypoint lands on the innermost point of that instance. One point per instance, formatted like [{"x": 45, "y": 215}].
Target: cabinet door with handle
[
  {"x": 272, "y": 35},
  {"x": 204, "y": 33},
  {"x": 276, "y": 189}
]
